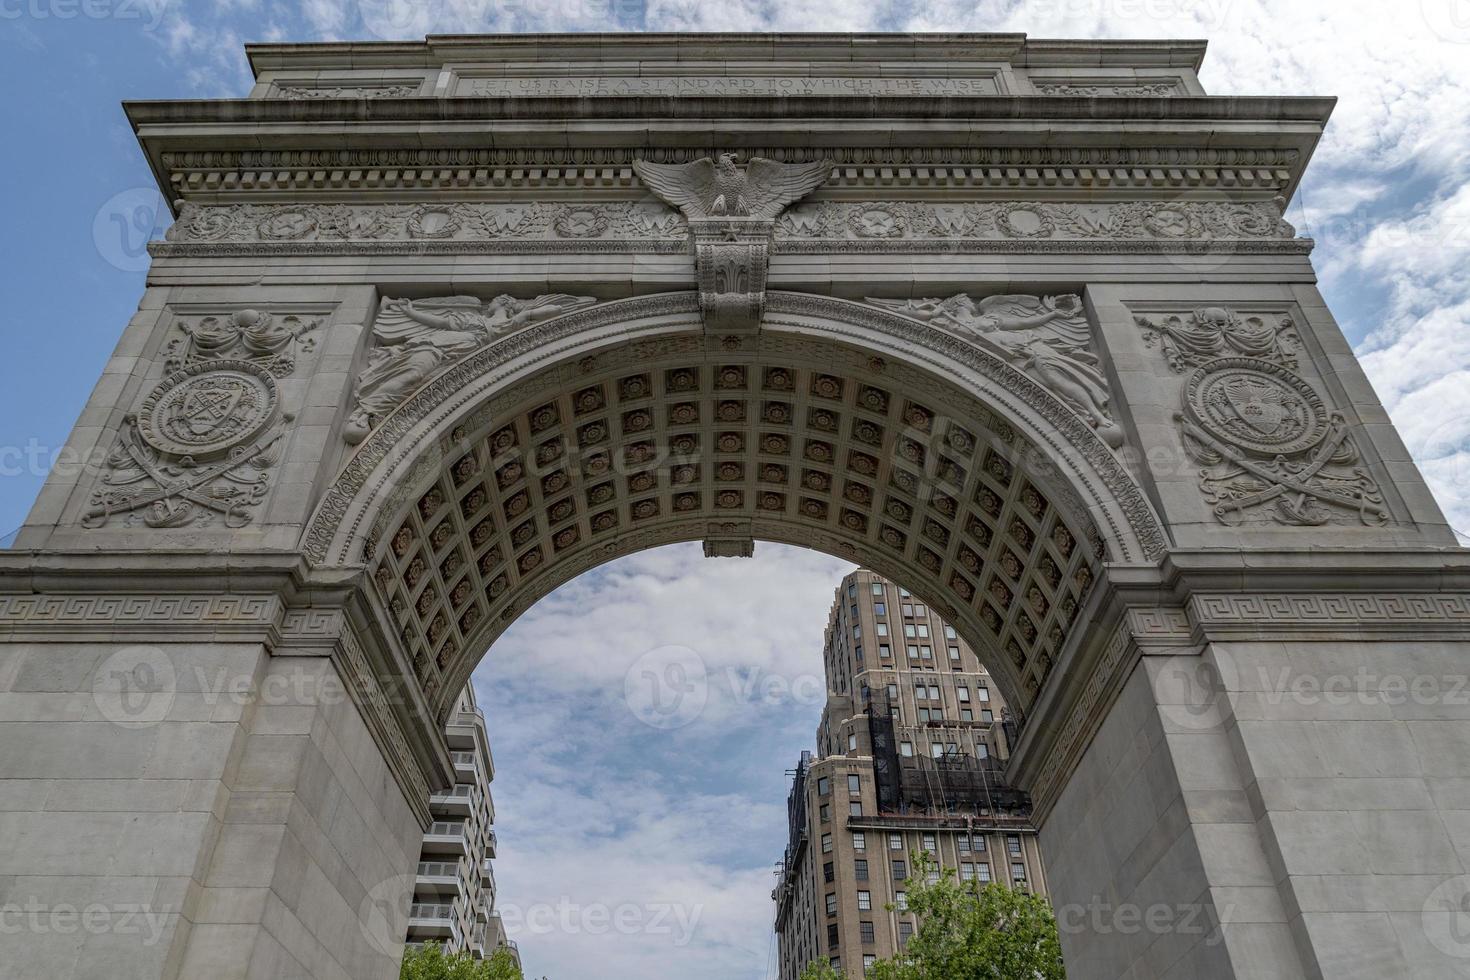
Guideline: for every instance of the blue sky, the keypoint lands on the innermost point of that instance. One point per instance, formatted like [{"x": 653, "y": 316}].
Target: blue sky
[{"x": 1387, "y": 199}]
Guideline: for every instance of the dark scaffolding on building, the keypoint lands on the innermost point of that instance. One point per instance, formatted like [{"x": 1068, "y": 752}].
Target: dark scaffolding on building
[{"x": 935, "y": 784}]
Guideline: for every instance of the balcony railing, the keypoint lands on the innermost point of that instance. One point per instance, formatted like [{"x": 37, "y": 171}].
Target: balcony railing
[
  {"x": 430, "y": 910},
  {"x": 438, "y": 869}
]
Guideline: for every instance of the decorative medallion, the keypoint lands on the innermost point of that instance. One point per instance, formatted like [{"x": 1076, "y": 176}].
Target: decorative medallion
[
  {"x": 207, "y": 409},
  {"x": 1270, "y": 449},
  {"x": 1257, "y": 405}
]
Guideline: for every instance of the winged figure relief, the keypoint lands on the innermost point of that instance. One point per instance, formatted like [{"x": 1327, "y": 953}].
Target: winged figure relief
[
  {"x": 1046, "y": 336},
  {"x": 414, "y": 338},
  {"x": 721, "y": 188}
]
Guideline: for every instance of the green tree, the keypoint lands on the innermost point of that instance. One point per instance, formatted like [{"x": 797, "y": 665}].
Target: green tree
[
  {"x": 820, "y": 970},
  {"x": 430, "y": 962},
  {"x": 970, "y": 931}
]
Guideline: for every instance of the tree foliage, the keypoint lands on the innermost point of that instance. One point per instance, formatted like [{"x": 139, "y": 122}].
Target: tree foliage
[
  {"x": 430, "y": 962},
  {"x": 968, "y": 931}
]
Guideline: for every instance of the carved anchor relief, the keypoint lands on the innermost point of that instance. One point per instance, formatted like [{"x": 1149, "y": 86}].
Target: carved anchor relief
[{"x": 732, "y": 215}]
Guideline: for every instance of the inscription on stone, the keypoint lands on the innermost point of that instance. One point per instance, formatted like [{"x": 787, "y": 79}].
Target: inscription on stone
[{"x": 632, "y": 85}]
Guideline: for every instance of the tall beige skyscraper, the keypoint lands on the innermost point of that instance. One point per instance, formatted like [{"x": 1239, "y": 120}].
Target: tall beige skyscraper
[
  {"x": 910, "y": 755},
  {"x": 454, "y": 890}
]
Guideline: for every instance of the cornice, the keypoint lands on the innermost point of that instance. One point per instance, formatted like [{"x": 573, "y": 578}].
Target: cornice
[
  {"x": 440, "y": 49},
  {"x": 1114, "y": 111}
]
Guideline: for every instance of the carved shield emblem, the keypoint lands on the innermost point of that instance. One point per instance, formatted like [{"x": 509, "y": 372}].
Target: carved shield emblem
[
  {"x": 1256, "y": 405},
  {"x": 209, "y": 408}
]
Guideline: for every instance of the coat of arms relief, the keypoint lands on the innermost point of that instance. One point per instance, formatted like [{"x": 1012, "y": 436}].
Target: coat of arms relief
[
  {"x": 200, "y": 448},
  {"x": 1270, "y": 448}
]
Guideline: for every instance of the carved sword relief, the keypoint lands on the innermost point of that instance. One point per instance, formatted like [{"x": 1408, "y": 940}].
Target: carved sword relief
[
  {"x": 413, "y": 339},
  {"x": 1048, "y": 337}
]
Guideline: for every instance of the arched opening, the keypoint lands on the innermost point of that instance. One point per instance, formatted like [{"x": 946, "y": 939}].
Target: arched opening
[
  {"x": 649, "y": 721},
  {"x": 840, "y": 427}
]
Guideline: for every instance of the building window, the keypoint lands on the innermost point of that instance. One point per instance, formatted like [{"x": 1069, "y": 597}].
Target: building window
[
  {"x": 987, "y": 715},
  {"x": 966, "y": 714},
  {"x": 906, "y": 749},
  {"x": 913, "y": 653},
  {"x": 882, "y": 629},
  {"x": 933, "y": 692},
  {"x": 879, "y": 609},
  {"x": 854, "y": 783},
  {"x": 831, "y": 935},
  {"x": 824, "y": 813},
  {"x": 869, "y": 960},
  {"x": 924, "y": 630},
  {"x": 954, "y": 654},
  {"x": 926, "y": 653},
  {"x": 983, "y": 871},
  {"x": 964, "y": 840},
  {"x": 980, "y": 845},
  {"x": 859, "y": 841},
  {"x": 982, "y": 693},
  {"x": 824, "y": 786},
  {"x": 1013, "y": 843},
  {"x": 908, "y": 608},
  {"x": 937, "y": 750},
  {"x": 826, "y": 843},
  {"x": 860, "y": 869},
  {"x": 852, "y": 740},
  {"x": 929, "y": 844},
  {"x": 885, "y": 652},
  {"x": 967, "y": 871},
  {"x": 827, "y": 873},
  {"x": 1018, "y": 872},
  {"x": 831, "y": 903},
  {"x": 983, "y": 750},
  {"x": 900, "y": 869},
  {"x": 910, "y": 630},
  {"x": 855, "y": 808},
  {"x": 895, "y": 842},
  {"x": 865, "y": 930},
  {"x": 865, "y": 899},
  {"x": 857, "y": 631},
  {"x": 921, "y": 693},
  {"x": 877, "y": 588},
  {"x": 901, "y": 902},
  {"x": 962, "y": 692},
  {"x": 949, "y": 632}
]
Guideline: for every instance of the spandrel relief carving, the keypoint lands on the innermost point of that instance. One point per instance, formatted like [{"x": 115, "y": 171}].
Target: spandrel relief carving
[
  {"x": 413, "y": 339},
  {"x": 1046, "y": 336}
]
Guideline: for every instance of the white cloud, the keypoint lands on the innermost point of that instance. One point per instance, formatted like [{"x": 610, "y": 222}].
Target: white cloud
[{"x": 599, "y": 811}]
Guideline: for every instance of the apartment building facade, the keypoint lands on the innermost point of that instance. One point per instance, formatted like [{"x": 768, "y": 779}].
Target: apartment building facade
[
  {"x": 910, "y": 756},
  {"x": 454, "y": 889}
]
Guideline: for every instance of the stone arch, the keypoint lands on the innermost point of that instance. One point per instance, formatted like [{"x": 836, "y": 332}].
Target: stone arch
[{"x": 840, "y": 426}]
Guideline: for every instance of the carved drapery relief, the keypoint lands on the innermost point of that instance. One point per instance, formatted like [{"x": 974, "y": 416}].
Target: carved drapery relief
[
  {"x": 201, "y": 446},
  {"x": 1270, "y": 446},
  {"x": 1188, "y": 341},
  {"x": 310, "y": 90},
  {"x": 731, "y": 213},
  {"x": 1154, "y": 90},
  {"x": 414, "y": 339},
  {"x": 1048, "y": 337}
]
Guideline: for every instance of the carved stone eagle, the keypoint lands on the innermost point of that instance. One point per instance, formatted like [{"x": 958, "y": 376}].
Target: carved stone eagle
[{"x": 709, "y": 189}]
